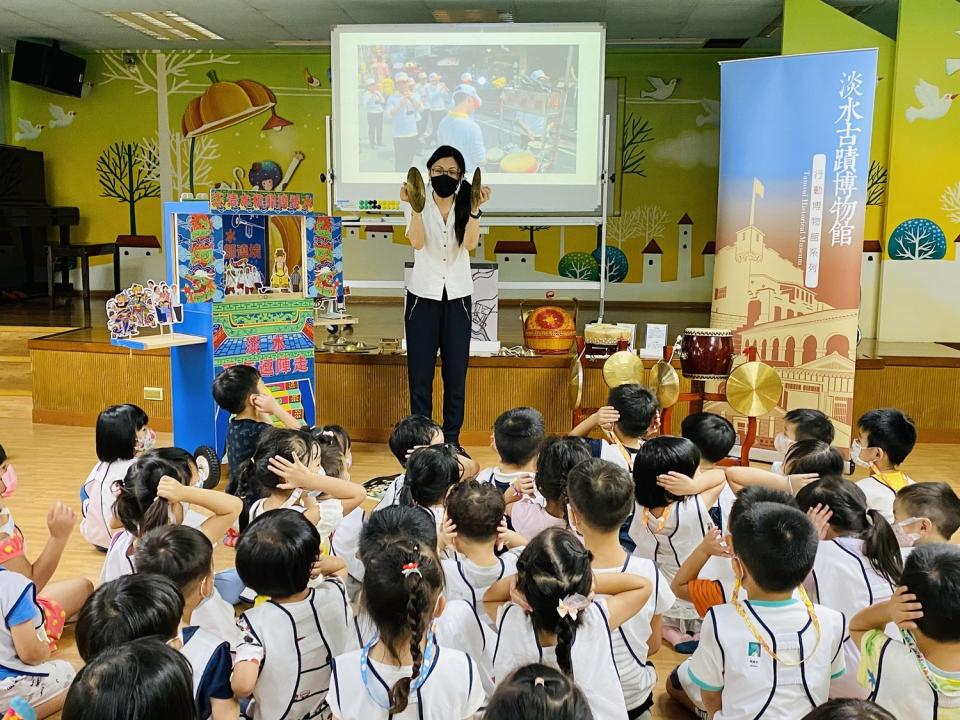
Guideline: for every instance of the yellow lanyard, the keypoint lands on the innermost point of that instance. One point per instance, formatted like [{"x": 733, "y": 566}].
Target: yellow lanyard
[
  {"x": 811, "y": 611},
  {"x": 623, "y": 451}
]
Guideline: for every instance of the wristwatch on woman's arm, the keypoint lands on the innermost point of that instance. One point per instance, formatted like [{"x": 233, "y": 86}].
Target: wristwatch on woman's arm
[{"x": 477, "y": 216}]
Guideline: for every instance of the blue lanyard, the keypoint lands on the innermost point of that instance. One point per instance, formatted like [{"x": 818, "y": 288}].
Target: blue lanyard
[{"x": 382, "y": 699}]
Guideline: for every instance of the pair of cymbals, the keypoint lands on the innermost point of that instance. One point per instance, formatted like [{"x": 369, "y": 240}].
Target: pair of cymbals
[
  {"x": 626, "y": 367},
  {"x": 417, "y": 193}
]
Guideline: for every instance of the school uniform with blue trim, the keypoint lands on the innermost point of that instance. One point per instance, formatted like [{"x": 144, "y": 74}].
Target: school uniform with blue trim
[
  {"x": 449, "y": 689},
  {"x": 212, "y": 665},
  {"x": 631, "y": 640},
  {"x": 35, "y": 683},
  {"x": 295, "y": 644},
  {"x": 465, "y": 580},
  {"x": 594, "y": 667},
  {"x": 754, "y": 684}
]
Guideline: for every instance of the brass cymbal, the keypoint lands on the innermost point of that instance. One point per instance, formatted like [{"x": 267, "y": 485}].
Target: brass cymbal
[
  {"x": 575, "y": 384},
  {"x": 665, "y": 383},
  {"x": 622, "y": 368},
  {"x": 475, "y": 189},
  {"x": 754, "y": 389},
  {"x": 416, "y": 193}
]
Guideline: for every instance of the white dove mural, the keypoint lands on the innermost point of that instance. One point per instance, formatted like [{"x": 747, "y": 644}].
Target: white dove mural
[
  {"x": 59, "y": 118},
  {"x": 27, "y": 131},
  {"x": 933, "y": 105},
  {"x": 661, "y": 90}
]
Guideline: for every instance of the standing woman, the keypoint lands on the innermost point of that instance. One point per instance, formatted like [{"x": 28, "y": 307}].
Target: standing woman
[{"x": 444, "y": 226}]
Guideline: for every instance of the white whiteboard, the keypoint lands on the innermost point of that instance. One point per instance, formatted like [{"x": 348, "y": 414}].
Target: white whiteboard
[{"x": 524, "y": 101}]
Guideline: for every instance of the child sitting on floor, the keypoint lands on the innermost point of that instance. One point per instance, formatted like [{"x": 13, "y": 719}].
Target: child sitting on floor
[
  {"x": 667, "y": 527},
  {"x": 431, "y": 472},
  {"x": 801, "y": 424},
  {"x": 770, "y": 655},
  {"x": 926, "y": 513},
  {"x": 475, "y": 511},
  {"x": 886, "y": 438},
  {"x": 300, "y": 629},
  {"x": 122, "y": 433},
  {"x": 918, "y": 675},
  {"x": 601, "y": 498},
  {"x": 517, "y": 437},
  {"x": 534, "y": 509},
  {"x": 630, "y": 415}
]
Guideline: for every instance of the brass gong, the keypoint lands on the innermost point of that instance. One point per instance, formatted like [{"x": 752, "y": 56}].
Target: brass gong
[
  {"x": 665, "y": 383},
  {"x": 754, "y": 389},
  {"x": 622, "y": 368},
  {"x": 575, "y": 384}
]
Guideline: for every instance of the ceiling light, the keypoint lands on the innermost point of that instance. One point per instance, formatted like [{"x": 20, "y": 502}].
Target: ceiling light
[
  {"x": 300, "y": 43},
  {"x": 659, "y": 42},
  {"x": 163, "y": 25},
  {"x": 477, "y": 15}
]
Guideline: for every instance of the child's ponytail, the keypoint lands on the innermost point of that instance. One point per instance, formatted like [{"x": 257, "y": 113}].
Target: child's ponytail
[
  {"x": 138, "y": 508},
  {"x": 418, "y": 602},
  {"x": 880, "y": 546},
  {"x": 852, "y": 518},
  {"x": 555, "y": 577}
]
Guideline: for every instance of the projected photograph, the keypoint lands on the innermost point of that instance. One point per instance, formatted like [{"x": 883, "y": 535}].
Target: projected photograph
[{"x": 507, "y": 108}]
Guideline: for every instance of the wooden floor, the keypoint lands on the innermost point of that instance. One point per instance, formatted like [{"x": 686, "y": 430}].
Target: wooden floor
[{"x": 52, "y": 461}]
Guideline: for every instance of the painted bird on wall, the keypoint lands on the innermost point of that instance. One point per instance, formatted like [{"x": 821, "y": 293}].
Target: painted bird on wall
[
  {"x": 311, "y": 80},
  {"x": 60, "y": 118},
  {"x": 27, "y": 131},
  {"x": 933, "y": 105},
  {"x": 661, "y": 90}
]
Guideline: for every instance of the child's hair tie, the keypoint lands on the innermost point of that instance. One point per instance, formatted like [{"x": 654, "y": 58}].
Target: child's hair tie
[
  {"x": 411, "y": 567},
  {"x": 538, "y": 682},
  {"x": 572, "y": 605}
]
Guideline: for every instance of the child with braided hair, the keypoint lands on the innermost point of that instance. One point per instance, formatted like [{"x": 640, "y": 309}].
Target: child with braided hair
[
  {"x": 402, "y": 672},
  {"x": 547, "y": 613}
]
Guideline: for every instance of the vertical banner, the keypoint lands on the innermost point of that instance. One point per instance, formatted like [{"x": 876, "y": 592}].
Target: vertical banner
[{"x": 794, "y": 161}]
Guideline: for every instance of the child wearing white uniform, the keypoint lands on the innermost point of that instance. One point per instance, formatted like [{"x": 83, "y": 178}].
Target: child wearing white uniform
[
  {"x": 601, "y": 498},
  {"x": 122, "y": 432},
  {"x": 154, "y": 493},
  {"x": 25, "y": 667},
  {"x": 476, "y": 512},
  {"x": 517, "y": 437},
  {"x": 289, "y": 641},
  {"x": 771, "y": 656},
  {"x": 402, "y": 671},
  {"x": 858, "y": 562},
  {"x": 666, "y": 528},
  {"x": 630, "y": 415},
  {"x": 546, "y": 613},
  {"x": 916, "y": 675},
  {"x": 886, "y": 438}
]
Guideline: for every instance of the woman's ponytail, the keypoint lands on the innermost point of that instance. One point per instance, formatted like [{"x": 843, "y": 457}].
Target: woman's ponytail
[
  {"x": 462, "y": 207},
  {"x": 880, "y": 546}
]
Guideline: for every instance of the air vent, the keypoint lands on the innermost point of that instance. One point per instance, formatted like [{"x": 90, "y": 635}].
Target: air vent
[
  {"x": 479, "y": 15},
  {"x": 718, "y": 43}
]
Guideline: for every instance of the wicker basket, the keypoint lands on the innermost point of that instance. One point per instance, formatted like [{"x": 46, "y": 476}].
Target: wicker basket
[{"x": 549, "y": 330}]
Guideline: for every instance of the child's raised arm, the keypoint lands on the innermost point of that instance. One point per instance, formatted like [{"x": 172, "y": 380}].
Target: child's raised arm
[
  {"x": 497, "y": 594},
  {"x": 606, "y": 415},
  {"x": 628, "y": 593},
  {"x": 741, "y": 477},
  {"x": 711, "y": 546},
  {"x": 297, "y": 475},
  {"x": 902, "y": 609},
  {"x": 708, "y": 485},
  {"x": 268, "y": 405},
  {"x": 225, "y": 508}
]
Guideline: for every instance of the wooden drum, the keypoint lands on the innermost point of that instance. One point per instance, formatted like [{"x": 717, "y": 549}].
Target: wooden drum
[{"x": 706, "y": 353}]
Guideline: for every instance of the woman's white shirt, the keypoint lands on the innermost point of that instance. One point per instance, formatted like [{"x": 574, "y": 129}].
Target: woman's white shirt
[{"x": 442, "y": 262}]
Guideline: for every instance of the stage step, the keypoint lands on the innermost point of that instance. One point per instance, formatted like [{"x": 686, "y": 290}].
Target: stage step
[{"x": 16, "y": 372}]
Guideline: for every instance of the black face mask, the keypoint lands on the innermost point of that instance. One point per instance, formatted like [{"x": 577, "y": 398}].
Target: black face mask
[{"x": 444, "y": 185}]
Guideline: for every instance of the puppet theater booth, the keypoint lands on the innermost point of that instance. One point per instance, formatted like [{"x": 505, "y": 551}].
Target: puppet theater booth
[{"x": 367, "y": 391}]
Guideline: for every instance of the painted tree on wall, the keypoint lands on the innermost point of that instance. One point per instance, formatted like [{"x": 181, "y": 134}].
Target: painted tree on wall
[
  {"x": 123, "y": 176},
  {"x": 637, "y": 132},
  {"x": 917, "y": 239},
  {"x": 950, "y": 202},
  {"x": 616, "y": 262},
  {"x": 579, "y": 266},
  {"x": 652, "y": 220},
  {"x": 623, "y": 227},
  {"x": 876, "y": 184},
  {"x": 205, "y": 152}
]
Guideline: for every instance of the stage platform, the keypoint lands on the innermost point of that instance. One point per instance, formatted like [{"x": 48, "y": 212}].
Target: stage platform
[{"x": 76, "y": 373}]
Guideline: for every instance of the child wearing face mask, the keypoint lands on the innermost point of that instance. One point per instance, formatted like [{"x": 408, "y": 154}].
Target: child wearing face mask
[
  {"x": 801, "y": 424},
  {"x": 155, "y": 493},
  {"x": 122, "y": 433},
  {"x": 886, "y": 438},
  {"x": 925, "y": 513}
]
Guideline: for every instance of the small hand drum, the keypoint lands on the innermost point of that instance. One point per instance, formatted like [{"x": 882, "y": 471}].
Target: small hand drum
[{"x": 754, "y": 389}]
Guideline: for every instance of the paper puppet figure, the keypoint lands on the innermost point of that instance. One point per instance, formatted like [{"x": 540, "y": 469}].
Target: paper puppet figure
[
  {"x": 131, "y": 310},
  {"x": 164, "y": 300},
  {"x": 280, "y": 280},
  {"x": 296, "y": 279}
]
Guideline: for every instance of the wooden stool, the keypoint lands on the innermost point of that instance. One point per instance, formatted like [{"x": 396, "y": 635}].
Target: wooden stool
[{"x": 84, "y": 252}]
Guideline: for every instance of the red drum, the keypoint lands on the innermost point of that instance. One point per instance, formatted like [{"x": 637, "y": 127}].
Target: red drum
[{"x": 706, "y": 353}]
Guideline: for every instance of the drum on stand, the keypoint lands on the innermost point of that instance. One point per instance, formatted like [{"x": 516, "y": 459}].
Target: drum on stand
[{"x": 706, "y": 353}]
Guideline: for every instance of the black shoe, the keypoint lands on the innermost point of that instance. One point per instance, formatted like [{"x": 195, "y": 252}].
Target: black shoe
[{"x": 459, "y": 449}]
